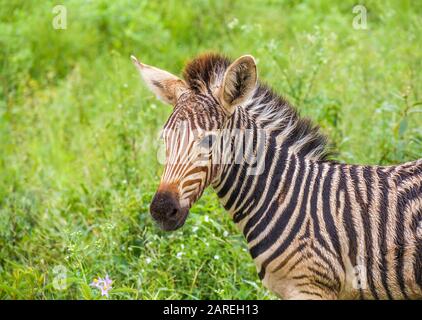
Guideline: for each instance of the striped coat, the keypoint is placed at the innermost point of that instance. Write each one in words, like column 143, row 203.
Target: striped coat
column 316, row 229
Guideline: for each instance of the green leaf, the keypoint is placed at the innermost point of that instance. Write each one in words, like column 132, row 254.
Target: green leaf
column 86, row 291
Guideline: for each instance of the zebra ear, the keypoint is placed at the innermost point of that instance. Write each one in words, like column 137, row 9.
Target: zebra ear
column 166, row 86
column 239, row 83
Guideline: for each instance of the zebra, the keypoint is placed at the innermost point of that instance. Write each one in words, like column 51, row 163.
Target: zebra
column 315, row 228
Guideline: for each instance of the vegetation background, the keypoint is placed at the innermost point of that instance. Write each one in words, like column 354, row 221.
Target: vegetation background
column 78, row 162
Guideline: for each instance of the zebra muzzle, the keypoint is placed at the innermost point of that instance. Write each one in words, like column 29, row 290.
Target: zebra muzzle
column 166, row 210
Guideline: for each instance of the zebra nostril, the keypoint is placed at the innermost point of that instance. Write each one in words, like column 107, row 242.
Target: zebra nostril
column 173, row 212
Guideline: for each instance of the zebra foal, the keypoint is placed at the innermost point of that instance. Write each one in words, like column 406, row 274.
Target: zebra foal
column 316, row 229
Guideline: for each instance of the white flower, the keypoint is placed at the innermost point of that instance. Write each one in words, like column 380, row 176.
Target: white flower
column 233, row 23
column 216, row 257
column 311, row 38
column 206, row 218
column 225, row 233
column 148, row 260
column 179, row 255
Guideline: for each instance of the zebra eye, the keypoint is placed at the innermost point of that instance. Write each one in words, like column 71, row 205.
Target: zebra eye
column 207, row 141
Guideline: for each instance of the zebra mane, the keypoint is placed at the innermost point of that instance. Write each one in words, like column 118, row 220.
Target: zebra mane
column 266, row 108
column 206, row 71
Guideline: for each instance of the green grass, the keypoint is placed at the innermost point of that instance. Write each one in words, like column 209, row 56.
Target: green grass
column 78, row 164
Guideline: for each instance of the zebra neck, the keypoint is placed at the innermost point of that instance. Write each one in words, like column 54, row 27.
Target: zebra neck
column 280, row 140
column 246, row 190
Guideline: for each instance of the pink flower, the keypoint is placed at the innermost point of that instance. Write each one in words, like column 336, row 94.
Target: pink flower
column 103, row 284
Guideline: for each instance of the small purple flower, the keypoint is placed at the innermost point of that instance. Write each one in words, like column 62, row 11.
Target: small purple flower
column 103, row 284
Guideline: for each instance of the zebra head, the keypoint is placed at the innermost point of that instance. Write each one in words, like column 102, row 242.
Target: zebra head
column 202, row 103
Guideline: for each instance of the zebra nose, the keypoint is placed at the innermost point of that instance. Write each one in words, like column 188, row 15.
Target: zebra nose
column 164, row 206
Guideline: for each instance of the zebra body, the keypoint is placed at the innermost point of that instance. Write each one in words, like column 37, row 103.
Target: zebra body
column 316, row 229
column 332, row 230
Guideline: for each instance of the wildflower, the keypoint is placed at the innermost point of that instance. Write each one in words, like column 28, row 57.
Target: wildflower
column 148, row 260
column 233, row 23
column 216, row 257
column 103, row 284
